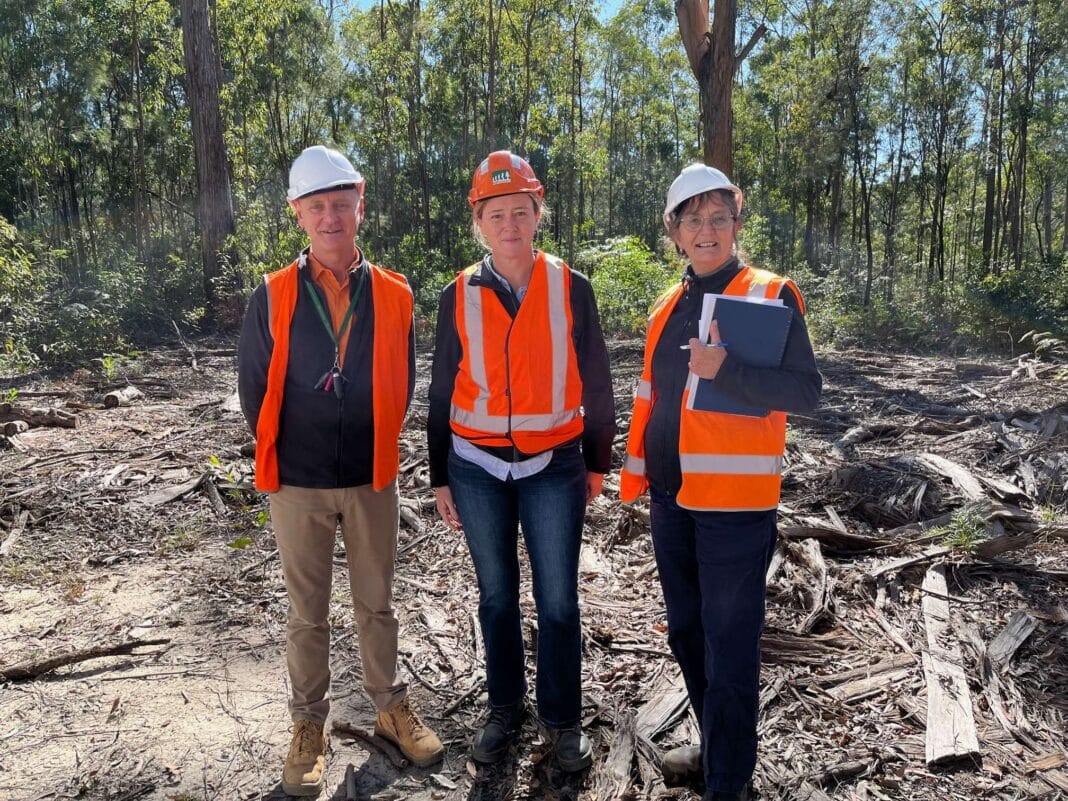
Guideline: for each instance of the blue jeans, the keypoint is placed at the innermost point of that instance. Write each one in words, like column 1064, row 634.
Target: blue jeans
column 550, row 506
column 712, row 567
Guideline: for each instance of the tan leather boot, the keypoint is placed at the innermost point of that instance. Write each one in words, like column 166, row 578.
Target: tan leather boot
column 402, row 727
column 306, row 762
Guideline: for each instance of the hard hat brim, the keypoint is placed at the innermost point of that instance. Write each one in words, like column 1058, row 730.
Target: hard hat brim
column 334, row 186
column 539, row 193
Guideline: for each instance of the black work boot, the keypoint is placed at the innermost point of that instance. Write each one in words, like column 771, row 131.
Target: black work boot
column 497, row 733
column 572, row 747
column 682, row 765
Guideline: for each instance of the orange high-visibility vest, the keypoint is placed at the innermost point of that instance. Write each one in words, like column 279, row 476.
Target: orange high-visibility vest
column 730, row 463
column 393, row 304
column 518, row 382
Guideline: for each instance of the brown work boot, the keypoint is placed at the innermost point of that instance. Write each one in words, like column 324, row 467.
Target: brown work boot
column 303, row 773
column 402, row 727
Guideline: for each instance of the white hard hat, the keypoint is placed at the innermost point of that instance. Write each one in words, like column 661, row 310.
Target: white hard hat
column 695, row 180
column 319, row 168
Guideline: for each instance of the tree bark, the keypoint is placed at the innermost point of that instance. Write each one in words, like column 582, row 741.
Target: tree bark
column 714, row 63
column 718, row 86
column 215, row 211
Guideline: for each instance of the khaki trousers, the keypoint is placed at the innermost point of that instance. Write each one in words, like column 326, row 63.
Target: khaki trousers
column 305, row 525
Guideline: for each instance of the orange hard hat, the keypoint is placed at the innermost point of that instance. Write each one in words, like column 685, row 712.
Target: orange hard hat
column 503, row 173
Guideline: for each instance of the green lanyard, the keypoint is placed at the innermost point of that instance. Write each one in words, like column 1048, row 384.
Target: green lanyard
column 332, row 379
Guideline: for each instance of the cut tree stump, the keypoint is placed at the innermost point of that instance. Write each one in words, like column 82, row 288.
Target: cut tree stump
column 122, row 397
column 950, row 723
column 13, row 427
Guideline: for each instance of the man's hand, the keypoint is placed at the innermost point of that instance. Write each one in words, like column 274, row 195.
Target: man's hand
column 705, row 360
column 593, row 485
column 446, row 508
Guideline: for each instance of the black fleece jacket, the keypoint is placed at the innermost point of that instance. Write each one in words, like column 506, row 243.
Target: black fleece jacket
column 793, row 386
column 323, row 442
column 598, row 402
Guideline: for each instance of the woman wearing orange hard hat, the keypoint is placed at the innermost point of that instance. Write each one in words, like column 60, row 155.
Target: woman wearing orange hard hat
column 713, row 475
column 520, row 432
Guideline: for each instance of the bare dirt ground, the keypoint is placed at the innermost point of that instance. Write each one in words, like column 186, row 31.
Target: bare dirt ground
column 918, row 608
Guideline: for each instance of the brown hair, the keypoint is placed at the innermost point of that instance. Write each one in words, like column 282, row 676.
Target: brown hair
column 728, row 199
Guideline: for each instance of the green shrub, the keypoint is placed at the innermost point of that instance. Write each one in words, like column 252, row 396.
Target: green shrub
column 627, row 277
column 1016, row 301
column 19, row 285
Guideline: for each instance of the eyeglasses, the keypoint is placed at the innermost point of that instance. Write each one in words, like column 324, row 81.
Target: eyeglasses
column 695, row 222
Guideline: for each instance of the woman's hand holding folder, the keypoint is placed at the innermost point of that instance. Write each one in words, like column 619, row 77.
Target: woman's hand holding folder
column 705, row 360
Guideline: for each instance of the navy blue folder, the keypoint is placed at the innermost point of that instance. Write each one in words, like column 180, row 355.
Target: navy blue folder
column 755, row 333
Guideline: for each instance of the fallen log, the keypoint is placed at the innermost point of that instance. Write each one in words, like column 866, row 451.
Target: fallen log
column 173, row 492
column 951, row 731
column 33, row 668
column 810, row 555
column 908, row 561
column 667, row 704
column 36, row 416
column 614, row 780
column 833, row 538
column 1009, row 639
column 13, row 427
column 122, row 397
column 16, row 531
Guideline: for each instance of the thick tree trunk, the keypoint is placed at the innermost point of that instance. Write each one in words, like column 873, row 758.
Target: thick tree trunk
column 714, row 62
column 215, row 211
column 718, row 87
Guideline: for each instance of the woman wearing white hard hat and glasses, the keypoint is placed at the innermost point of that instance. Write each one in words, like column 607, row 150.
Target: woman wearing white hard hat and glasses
column 713, row 478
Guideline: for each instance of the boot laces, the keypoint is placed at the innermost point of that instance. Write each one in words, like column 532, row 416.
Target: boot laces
column 414, row 723
column 307, row 741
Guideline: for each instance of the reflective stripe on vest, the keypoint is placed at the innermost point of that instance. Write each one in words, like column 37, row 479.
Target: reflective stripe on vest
column 729, row 462
column 489, row 404
column 739, row 465
column 393, row 305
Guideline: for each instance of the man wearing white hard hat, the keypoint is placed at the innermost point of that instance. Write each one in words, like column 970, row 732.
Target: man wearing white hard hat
column 325, row 375
column 714, row 477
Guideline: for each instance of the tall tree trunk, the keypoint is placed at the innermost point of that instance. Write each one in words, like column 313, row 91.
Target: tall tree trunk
column 215, row 211
column 718, row 86
column 1045, row 230
column 491, row 82
column 890, row 248
column 1064, row 225
column 714, row 63
column 139, row 154
column 809, row 244
column 990, row 157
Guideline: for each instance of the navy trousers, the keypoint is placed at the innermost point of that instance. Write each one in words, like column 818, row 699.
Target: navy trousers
column 712, row 567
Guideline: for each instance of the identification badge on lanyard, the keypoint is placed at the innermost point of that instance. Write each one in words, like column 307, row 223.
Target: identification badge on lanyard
column 333, row 380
